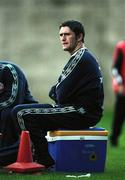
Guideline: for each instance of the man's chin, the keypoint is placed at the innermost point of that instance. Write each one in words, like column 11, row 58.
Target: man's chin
column 65, row 49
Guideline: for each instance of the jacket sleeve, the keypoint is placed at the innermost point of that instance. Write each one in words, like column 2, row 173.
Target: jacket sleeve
column 116, row 68
column 52, row 93
column 28, row 99
column 10, row 81
column 77, row 82
column 67, row 88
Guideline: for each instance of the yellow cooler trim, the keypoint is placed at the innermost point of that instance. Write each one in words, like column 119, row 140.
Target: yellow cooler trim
column 77, row 133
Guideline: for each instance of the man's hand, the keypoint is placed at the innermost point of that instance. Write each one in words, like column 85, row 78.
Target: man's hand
column 121, row 89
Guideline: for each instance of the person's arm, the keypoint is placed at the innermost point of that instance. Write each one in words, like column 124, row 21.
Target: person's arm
column 116, row 73
column 116, row 69
column 66, row 88
column 69, row 82
column 52, row 93
column 28, row 99
column 80, row 81
column 10, row 81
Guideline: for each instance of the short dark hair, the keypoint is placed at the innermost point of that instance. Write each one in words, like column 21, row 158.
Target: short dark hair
column 75, row 26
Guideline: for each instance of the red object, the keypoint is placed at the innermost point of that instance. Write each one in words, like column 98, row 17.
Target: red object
column 24, row 161
column 120, row 46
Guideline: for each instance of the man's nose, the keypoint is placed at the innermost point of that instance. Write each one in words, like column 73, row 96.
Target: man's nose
column 63, row 37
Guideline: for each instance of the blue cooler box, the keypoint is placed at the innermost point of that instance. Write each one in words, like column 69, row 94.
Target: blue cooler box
column 78, row 151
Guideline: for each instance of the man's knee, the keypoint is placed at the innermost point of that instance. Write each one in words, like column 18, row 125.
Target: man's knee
column 15, row 110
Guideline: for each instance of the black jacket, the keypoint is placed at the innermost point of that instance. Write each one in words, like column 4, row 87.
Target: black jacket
column 16, row 90
column 80, row 84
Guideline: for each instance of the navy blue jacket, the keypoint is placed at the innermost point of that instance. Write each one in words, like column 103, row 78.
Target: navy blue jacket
column 16, row 89
column 80, row 84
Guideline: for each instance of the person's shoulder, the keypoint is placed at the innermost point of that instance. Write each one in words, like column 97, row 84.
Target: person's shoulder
column 7, row 66
column 121, row 44
column 88, row 55
column 6, row 63
column 11, row 65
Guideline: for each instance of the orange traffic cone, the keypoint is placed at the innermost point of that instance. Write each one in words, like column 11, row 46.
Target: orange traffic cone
column 24, row 161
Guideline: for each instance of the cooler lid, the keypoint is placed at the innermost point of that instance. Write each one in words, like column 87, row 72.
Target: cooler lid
column 60, row 138
column 88, row 132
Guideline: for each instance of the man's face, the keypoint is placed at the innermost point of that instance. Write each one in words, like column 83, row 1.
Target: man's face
column 68, row 39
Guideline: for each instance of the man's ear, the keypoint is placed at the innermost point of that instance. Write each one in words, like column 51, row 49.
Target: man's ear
column 80, row 37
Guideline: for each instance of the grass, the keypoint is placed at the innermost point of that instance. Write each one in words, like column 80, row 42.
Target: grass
column 114, row 168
